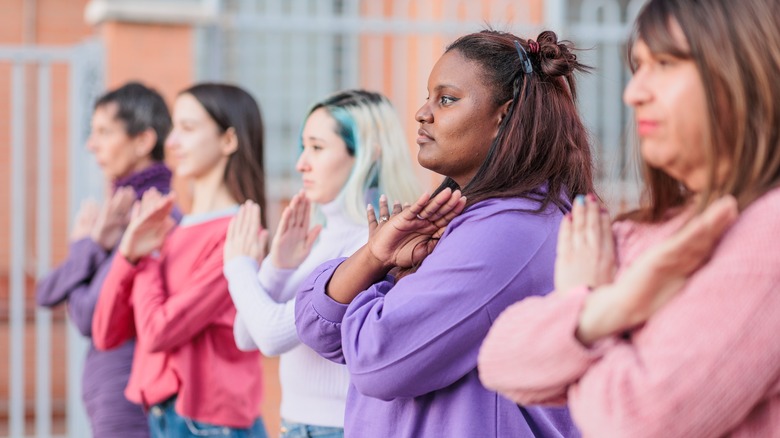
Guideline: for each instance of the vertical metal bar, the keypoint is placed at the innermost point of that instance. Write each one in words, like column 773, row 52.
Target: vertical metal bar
column 77, row 176
column 374, row 79
column 555, row 15
column 325, row 43
column 398, row 55
column 43, row 241
column 351, row 55
column 17, row 237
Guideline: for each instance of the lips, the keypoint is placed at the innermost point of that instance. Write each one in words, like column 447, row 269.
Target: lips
column 646, row 127
column 423, row 137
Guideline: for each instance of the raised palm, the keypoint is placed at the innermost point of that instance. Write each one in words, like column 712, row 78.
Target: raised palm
column 113, row 218
column 293, row 240
column 150, row 222
column 245, row 236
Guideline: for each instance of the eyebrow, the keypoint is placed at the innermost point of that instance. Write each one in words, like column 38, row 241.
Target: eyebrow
column 443, row 86
column 319, row 139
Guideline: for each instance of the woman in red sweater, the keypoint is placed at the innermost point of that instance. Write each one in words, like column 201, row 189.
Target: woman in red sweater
column 167, row 289
column 675, row 333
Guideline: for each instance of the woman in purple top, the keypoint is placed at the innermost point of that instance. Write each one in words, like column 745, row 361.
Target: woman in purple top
column 129, row 127
column 500, row 122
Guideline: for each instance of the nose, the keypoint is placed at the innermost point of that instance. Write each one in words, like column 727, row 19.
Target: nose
column 172, row 140
column 637, row 91
column 92, row 145
column 303, row 162
column 424, row 115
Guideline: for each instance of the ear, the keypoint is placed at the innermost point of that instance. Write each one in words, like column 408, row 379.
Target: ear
column 144, row 143
column 503, row 111
column 229, row 142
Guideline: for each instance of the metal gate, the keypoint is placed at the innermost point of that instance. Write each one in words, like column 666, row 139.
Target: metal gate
column 291, row 52
column 47, row 87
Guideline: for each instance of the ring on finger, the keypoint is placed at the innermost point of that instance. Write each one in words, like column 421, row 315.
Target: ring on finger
column 383, row 219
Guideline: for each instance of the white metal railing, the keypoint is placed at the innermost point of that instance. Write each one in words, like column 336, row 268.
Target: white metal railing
column 84, row 180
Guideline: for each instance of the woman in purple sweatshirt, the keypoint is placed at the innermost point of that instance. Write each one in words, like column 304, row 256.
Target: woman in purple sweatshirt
column 129, row 127
column 500, row 122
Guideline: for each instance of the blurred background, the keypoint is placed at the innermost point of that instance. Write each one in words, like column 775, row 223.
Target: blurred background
column 57, row 56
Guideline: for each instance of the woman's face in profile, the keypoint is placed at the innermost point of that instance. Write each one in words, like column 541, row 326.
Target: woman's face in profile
column 195, row 142
column 670, row 110
column 325, row 163
column 458, row 120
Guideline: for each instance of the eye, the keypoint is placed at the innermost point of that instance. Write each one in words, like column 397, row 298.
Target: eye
column 447, row 100
column 316, row 147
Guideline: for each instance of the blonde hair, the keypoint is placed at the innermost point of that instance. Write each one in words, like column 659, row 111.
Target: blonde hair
column 372, row 132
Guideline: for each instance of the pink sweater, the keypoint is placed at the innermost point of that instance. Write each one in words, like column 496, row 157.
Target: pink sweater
column 180, row 308
column 705, row 365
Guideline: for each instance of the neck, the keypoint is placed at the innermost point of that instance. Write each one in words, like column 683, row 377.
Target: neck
column 210, row 192
column 142, row 164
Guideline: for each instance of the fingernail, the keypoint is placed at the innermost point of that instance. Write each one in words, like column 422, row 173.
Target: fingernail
column 591, row 197
column 579, row 199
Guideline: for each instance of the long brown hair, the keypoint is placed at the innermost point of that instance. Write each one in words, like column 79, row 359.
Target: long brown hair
column 232, row 107
column 542, row 140
column 736, row 48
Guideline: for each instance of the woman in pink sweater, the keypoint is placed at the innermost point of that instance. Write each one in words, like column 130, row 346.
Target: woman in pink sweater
column 166, row 285
column 665, row 324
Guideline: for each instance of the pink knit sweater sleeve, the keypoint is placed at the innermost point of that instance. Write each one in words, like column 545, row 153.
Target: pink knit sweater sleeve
column 698, row 367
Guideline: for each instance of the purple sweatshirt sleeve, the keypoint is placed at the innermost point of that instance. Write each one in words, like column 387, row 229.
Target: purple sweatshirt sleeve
column 317, row 316
column 424, row 333
column 78, row 280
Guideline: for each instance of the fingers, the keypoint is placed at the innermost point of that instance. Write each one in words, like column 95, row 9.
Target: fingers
column 384, row 211
column 434, row 204
column 230, row 235
column 687, row 249
column 721, row 214
column 397, row 207
column 607, row 241
column 311, row 237
column 416, row 209
column 371, row 218
column 285, row 223
column 306, row 212
column 262, row 240
column 592, row 221
column 578, row 221
column 299, row 208
column 454, row 207
column 253, row 219
column 565, row 236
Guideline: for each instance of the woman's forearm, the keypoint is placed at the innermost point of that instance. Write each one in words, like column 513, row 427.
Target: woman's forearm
column 355, row 275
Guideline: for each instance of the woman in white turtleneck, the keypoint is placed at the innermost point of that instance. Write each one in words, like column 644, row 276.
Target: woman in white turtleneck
column 352, row 151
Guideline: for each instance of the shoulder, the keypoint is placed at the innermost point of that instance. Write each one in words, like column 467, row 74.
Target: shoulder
column 755, row 236
column 508, row 213
column 503, row 228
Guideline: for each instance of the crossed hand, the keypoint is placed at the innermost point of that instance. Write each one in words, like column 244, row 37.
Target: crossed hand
column 586, row 257
column 404, row 237
column 150, row 222
column 104, row 224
